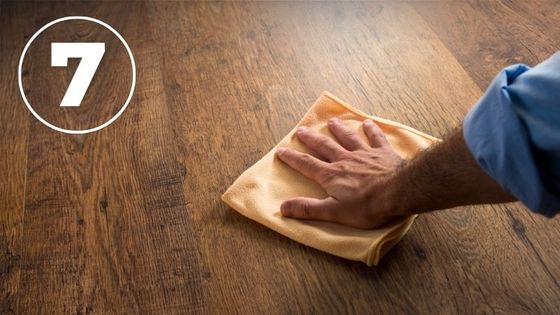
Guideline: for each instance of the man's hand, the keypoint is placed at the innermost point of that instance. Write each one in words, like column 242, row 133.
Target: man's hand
column 352, row 172
column 367, row 185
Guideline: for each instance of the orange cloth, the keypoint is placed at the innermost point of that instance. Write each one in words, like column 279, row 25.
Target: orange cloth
column 260, row 190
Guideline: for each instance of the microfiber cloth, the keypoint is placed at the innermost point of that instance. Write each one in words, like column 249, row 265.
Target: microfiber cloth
column 261, row 189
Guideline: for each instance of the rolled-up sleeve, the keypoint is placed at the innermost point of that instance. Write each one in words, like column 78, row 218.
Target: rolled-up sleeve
column 513, row 133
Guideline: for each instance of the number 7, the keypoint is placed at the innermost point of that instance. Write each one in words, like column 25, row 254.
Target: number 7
column 91, row 54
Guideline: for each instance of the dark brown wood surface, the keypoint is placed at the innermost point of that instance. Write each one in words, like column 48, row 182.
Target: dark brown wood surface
column 129, row 220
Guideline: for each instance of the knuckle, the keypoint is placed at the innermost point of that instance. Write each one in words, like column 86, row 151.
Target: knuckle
column 347, row 133
column 322, row 141
column 375, row 132
column 328, row 173
column 343, row 155
column 308, row 161
column 304, row 159
column 342, row 169
column 304, row 209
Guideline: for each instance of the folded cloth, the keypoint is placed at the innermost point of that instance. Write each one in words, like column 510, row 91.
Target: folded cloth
column 260, row 190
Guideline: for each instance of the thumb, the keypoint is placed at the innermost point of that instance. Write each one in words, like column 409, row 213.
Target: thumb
column 311, row 209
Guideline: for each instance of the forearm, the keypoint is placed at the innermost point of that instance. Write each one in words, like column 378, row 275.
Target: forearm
column 444, row 176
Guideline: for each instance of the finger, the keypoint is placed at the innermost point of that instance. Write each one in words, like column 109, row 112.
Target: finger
column 311, row 209
column 345, row 135
column 320, row 144
column 304, row 163
column 374, row 134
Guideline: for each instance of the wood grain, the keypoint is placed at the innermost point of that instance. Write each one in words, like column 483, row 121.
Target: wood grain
column 14, row 132
column 128, row 219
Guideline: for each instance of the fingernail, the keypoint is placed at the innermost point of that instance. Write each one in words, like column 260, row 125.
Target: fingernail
column 281, row 151
column 301, row 129
column 333, row 120
column 368, row 122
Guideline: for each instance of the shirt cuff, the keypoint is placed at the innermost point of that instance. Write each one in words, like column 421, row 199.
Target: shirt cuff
column 499, row 142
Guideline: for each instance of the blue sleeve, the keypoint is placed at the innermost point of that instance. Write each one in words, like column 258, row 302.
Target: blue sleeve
column 513, row 133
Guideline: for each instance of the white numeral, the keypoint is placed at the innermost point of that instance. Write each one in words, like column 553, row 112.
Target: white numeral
column 91, row 54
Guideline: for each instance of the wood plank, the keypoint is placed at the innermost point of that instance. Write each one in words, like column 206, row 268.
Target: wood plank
column 13, row 156
column 487, row 36
column 539, row 16
column 105, row 216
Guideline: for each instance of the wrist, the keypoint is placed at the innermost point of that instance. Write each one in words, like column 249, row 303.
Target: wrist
column 407, row 192
column 391, row 197
column 396, row 198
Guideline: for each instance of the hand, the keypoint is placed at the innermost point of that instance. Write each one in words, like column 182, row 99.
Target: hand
column 353, row 173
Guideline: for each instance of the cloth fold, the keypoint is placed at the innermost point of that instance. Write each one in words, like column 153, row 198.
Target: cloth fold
column 261, row 189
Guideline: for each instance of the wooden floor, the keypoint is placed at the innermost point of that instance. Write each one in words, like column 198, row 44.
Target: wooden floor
column 129, row 219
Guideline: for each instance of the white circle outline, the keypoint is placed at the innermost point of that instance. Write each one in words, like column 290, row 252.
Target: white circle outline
column 132, row 86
